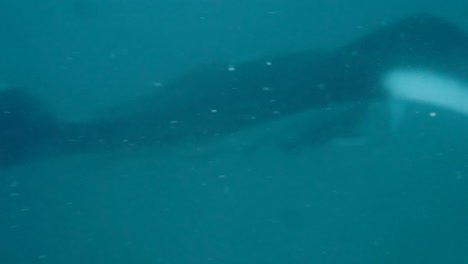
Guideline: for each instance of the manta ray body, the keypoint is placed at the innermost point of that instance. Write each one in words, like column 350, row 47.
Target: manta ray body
column 421, row 58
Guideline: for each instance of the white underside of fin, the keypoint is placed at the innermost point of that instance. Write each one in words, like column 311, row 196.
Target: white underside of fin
column 426, row 87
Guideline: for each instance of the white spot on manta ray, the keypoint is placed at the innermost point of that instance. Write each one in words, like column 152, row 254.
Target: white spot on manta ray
column 428, row 87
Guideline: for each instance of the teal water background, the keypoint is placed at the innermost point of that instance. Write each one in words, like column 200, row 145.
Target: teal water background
column 402, row 199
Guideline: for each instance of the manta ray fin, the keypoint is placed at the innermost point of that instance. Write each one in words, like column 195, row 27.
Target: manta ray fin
column 427, row 87
column 396, row 111
column 336, row 125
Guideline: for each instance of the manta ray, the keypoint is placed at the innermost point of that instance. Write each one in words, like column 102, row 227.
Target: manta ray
column 421, row 58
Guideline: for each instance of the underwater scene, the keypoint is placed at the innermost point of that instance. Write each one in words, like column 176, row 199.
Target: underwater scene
column 201, row 131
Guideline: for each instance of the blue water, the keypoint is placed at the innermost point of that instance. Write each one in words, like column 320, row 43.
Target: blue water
column 399, row 199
